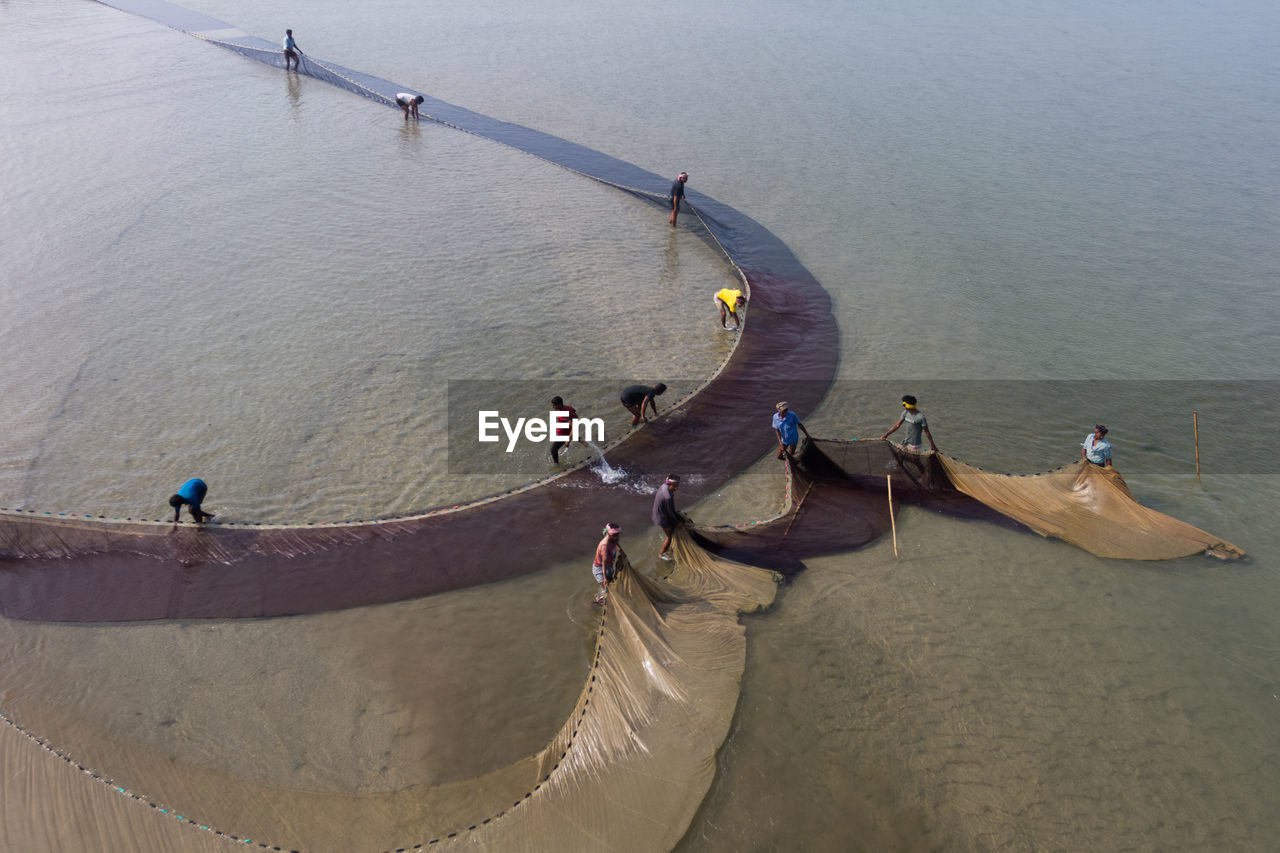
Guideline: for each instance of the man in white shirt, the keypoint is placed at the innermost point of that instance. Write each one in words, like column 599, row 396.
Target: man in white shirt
column 409, row 103
column 1096, row 448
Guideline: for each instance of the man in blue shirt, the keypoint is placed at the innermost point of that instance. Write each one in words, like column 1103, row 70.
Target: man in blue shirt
column 788, row 428
column 292, row 62
column 192, row 495
column 1096, row 448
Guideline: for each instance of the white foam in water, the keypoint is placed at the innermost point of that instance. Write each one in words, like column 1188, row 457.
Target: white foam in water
column 607, row 473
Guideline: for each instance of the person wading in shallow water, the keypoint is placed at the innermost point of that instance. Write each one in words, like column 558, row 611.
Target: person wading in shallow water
column 605, row 566
column 191, row 495
column 728, row 300
column 291, row 52
column 664, row 513
column 916, row 423
column 409, row 103
column 677, row 194
column 1096, row 448
column 563, row 426
column 636, row 398
column 788, row 429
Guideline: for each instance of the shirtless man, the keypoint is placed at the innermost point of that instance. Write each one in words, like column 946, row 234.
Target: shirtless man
column 605, row 566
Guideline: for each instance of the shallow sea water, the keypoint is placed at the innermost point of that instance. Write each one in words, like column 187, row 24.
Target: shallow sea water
column 214, row 270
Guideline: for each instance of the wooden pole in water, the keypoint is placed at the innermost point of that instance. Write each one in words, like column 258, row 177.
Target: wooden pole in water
column 796, row 514
column 888, row 479
column 1195, row 423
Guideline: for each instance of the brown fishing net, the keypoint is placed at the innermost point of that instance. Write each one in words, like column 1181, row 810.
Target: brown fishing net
column 1088, row 506
column 626, row 771
column 1083, row 504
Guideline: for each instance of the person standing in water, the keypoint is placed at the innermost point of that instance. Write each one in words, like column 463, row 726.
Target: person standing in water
column 605, row 566
column 409, row 103
column 916, row 423
column 291, row 52
column 677, row 194
column 788, row 428
column 636, row 398
column 191, row 494
column 561, row 425
column 664, row 513
column 728, row 301
column 1096, row 448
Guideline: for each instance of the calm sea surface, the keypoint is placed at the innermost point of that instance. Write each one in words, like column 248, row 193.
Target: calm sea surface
column 1033, row 215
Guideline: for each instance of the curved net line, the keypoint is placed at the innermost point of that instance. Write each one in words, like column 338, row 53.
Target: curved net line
column 266, row 53
column 584, row 464
column 787, row 348
column 655, row 704
column 1084, row 504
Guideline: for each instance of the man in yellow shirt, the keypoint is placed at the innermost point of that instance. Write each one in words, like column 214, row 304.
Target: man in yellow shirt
column 728, row 300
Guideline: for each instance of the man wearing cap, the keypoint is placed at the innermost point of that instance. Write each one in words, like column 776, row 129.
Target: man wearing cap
column 788, row 428
column 1096, row 448
column 605, row 567
column 729, row 300
column 191, row 494
column 916, row 423
column 677, row 193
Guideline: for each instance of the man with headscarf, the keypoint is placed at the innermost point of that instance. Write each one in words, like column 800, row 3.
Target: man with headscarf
column 605, row 567
column 916, row 423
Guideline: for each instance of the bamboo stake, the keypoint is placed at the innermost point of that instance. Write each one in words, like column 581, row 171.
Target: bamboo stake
column 1195, row 423
column 888, row 479
column 796, row 514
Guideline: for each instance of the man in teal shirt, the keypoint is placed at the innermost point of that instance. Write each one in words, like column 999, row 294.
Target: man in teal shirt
column 192, row 495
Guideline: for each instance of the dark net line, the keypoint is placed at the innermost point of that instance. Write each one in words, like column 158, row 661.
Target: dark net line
column 90, row 569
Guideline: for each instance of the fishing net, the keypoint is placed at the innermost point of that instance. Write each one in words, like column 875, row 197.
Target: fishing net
column 64, row 566
column 820, row 516
column 625, row 772
column 1084, row 504
column 1088, row 506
